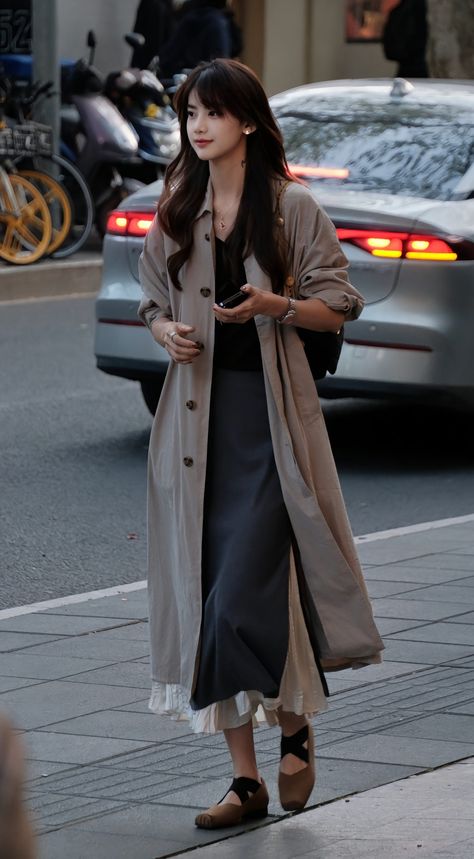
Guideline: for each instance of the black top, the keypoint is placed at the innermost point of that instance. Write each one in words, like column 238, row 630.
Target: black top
column 236, row 345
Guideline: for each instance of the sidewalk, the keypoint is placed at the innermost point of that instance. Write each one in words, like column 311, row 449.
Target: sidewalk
column 51, row 278
column 110, row 779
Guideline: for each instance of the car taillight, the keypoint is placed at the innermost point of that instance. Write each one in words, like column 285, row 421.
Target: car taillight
column 314, row 172
column 134, row 224
column 385, row 243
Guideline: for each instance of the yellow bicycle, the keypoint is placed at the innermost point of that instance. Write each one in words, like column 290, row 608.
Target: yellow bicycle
column 25, row 220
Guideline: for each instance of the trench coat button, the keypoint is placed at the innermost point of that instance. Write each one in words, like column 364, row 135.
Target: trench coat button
column 290, row 281
column 188, row 461
column 205, row 292
column 190, row 404
column 207, row 237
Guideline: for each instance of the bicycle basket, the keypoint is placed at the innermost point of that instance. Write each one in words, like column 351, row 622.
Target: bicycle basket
column 30, row 138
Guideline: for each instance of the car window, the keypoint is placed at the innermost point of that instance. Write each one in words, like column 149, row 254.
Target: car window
column 399, row 149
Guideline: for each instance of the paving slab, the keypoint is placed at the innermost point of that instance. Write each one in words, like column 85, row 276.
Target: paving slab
column 450, row 593
column 445, row 561
column 80, row 749
column 440, row 633
column 442, row 726
column 466, row 709
column 28, row 665
column 467, row 617
column 119, row 724
column 412, row 572
column 427, row 653
column 80, row 843
column 94, row 646
column 53, row 702
column 10, row 641
column 133, row 606
column 7, row 684
column 378, row 588
column 125, row 674
column 52, row 811
column 57, row 624
column 412, row 609
column 383, row 748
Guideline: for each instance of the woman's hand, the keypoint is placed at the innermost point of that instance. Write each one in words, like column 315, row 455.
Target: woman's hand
column 174, row 337
column 260, row 301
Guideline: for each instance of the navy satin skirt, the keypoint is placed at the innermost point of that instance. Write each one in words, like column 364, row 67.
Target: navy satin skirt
column 246, row 548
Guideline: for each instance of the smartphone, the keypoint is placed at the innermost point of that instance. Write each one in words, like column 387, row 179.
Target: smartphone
column 233, row 300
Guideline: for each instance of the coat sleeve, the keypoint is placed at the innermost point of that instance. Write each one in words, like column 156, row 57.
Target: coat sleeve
column 319, row 265
column 155, row 303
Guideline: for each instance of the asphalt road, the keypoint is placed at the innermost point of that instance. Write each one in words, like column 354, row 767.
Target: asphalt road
column 74, row 447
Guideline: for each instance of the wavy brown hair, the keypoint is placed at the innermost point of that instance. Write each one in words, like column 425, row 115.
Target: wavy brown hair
column 228, row 86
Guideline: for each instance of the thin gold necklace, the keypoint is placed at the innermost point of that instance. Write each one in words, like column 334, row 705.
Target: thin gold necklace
column 221, row 216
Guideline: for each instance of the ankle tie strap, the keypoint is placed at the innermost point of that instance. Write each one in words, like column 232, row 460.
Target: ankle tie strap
column 243, row 786
column 294, row 745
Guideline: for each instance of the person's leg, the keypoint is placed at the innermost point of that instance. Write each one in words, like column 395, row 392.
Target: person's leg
column 248, row 795
column 242, row 751
column 290, row 724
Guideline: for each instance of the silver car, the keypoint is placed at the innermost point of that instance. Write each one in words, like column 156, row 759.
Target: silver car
column 392, row 162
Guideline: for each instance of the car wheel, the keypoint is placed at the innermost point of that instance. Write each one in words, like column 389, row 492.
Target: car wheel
column 151, row 390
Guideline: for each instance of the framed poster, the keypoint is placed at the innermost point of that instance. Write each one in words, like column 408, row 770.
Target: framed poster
column 365, row 19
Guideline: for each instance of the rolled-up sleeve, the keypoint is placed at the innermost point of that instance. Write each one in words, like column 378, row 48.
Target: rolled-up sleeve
column 155, row 303
column 319, row 264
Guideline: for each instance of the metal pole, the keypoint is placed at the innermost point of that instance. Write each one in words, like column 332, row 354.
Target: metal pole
column 46, row 62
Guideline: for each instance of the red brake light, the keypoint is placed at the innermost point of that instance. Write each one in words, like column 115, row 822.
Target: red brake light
column 134, row 224
column 318, row 172
column 384, row 243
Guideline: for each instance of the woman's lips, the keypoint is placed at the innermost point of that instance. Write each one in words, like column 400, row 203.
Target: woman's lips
column 202, row 142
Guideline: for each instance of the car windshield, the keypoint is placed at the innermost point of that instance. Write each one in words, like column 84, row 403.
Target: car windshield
column 412, row 149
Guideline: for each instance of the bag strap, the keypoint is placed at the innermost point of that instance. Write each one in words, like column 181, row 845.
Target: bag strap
column 289, row 281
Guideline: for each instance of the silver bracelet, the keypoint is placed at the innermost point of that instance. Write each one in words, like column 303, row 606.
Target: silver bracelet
column 290, row 313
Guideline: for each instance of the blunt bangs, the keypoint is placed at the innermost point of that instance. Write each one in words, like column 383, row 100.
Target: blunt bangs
column 216, row 90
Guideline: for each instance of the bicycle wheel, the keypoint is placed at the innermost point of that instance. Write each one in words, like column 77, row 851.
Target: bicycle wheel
column 58, row 202
column 83, row 210
column 77, row 189
column 26, row 231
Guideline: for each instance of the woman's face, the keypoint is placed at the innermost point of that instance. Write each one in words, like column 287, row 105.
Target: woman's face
column 213, row 135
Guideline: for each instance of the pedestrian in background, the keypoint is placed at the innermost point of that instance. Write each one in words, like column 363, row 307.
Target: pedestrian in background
column 405, row 38
column 16, row 835
column 206, row 29
column 155, row 20
column 254, row 581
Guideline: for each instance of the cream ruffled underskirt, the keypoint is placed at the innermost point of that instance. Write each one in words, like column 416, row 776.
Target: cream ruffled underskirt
column 300, row 692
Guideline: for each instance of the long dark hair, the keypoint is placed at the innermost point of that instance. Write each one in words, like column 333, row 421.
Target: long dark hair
column 228, row 86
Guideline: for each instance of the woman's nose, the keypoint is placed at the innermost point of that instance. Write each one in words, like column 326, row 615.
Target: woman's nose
column 201, row 124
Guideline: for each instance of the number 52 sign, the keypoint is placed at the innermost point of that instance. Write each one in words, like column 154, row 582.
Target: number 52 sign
column 15, row 27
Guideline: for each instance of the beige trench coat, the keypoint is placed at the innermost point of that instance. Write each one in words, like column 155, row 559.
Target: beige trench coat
column 343, row 620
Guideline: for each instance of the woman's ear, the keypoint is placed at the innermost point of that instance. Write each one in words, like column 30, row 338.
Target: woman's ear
column 249, row 128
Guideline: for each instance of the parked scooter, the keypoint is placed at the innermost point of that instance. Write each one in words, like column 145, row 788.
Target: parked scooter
column 96, row 136
column 142, row 100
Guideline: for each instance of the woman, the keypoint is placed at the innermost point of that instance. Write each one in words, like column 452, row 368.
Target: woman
column 254, row 581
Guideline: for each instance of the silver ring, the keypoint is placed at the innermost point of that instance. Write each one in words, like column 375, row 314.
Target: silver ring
column 173, row 334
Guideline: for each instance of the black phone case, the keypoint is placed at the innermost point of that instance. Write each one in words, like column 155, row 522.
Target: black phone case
column 233, row 300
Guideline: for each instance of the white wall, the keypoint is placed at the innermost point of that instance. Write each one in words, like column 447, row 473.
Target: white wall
column 110, row 19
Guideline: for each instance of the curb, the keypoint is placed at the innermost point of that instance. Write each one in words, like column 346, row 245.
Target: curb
column 51, row 279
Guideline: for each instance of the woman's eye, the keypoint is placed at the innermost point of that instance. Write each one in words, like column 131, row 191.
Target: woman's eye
column 190, row 113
